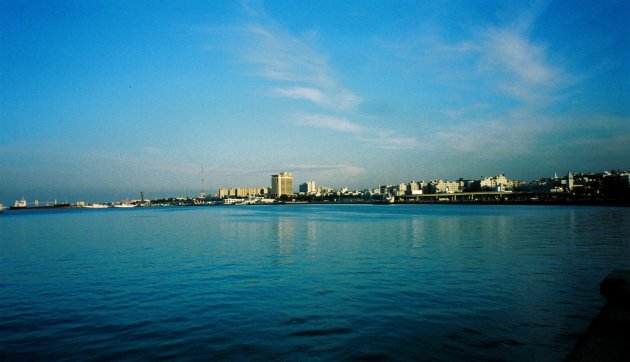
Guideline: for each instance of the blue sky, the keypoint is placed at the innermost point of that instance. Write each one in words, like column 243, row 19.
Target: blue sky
column 103, row 99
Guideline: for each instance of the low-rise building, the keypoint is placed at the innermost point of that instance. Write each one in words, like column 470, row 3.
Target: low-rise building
column 241, row 192
column 498, row 183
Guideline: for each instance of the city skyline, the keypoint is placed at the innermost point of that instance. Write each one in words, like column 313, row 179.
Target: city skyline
column 281, row 186
column 486, row 182
column 107, row 99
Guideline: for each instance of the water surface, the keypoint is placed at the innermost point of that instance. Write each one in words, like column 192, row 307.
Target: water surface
column 305, row 282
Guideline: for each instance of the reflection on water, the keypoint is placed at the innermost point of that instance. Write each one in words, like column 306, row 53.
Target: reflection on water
column 332, row 282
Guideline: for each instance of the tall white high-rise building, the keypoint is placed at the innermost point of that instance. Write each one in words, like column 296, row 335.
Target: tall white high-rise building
column 281, row 184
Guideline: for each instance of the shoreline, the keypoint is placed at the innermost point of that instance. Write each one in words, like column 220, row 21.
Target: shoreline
column 604, row 203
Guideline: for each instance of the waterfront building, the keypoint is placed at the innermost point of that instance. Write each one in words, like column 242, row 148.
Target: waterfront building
column 403, row 188
column 498, row 183
column 414, row 188
column 308, row 187
column 441, row 187
column 447, row 187
column 469, row 185
column 411, row 188
column 281, row 184
column 241, row 192
column 429, row 187
column 247, row 191
column 324, row 191
column 386, row 189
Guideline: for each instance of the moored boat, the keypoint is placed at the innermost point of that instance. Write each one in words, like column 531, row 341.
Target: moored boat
column 124, row 205
column 233, row 201
column 386, row 199
column 96, row 206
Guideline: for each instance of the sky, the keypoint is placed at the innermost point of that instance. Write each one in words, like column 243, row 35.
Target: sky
column 100, row 100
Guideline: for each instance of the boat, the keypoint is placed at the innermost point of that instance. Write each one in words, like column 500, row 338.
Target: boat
column 124, row 205
column 233, row 201
column 96, row 206
column 385, row 199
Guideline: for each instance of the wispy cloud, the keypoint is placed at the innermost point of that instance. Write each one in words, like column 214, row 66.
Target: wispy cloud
column 294, row 63
column 375, row 137
column 312, row 94
column 510, row 50
column 300, row 71
column 458, row 113
column 517, row 77
column 346, row 169
column 509, row 61
column 329, row 122
column 336, row 99
column 505, row 57
column 281, row 56
column 388, row 139
column 488, row 139
column 522, row 65
column 297, row 69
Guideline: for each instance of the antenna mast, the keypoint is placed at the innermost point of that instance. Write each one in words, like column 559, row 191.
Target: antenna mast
column 203, row 185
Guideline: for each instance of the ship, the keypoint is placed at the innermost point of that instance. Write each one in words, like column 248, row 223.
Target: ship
column 19, row 204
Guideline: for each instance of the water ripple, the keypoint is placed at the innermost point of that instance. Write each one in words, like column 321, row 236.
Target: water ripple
column 321, row 282
column 320, row 332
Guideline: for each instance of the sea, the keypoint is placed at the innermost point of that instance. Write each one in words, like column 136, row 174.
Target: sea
column 305, row 282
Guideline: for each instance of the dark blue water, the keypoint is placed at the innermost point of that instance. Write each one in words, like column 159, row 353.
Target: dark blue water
column 305, row 282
